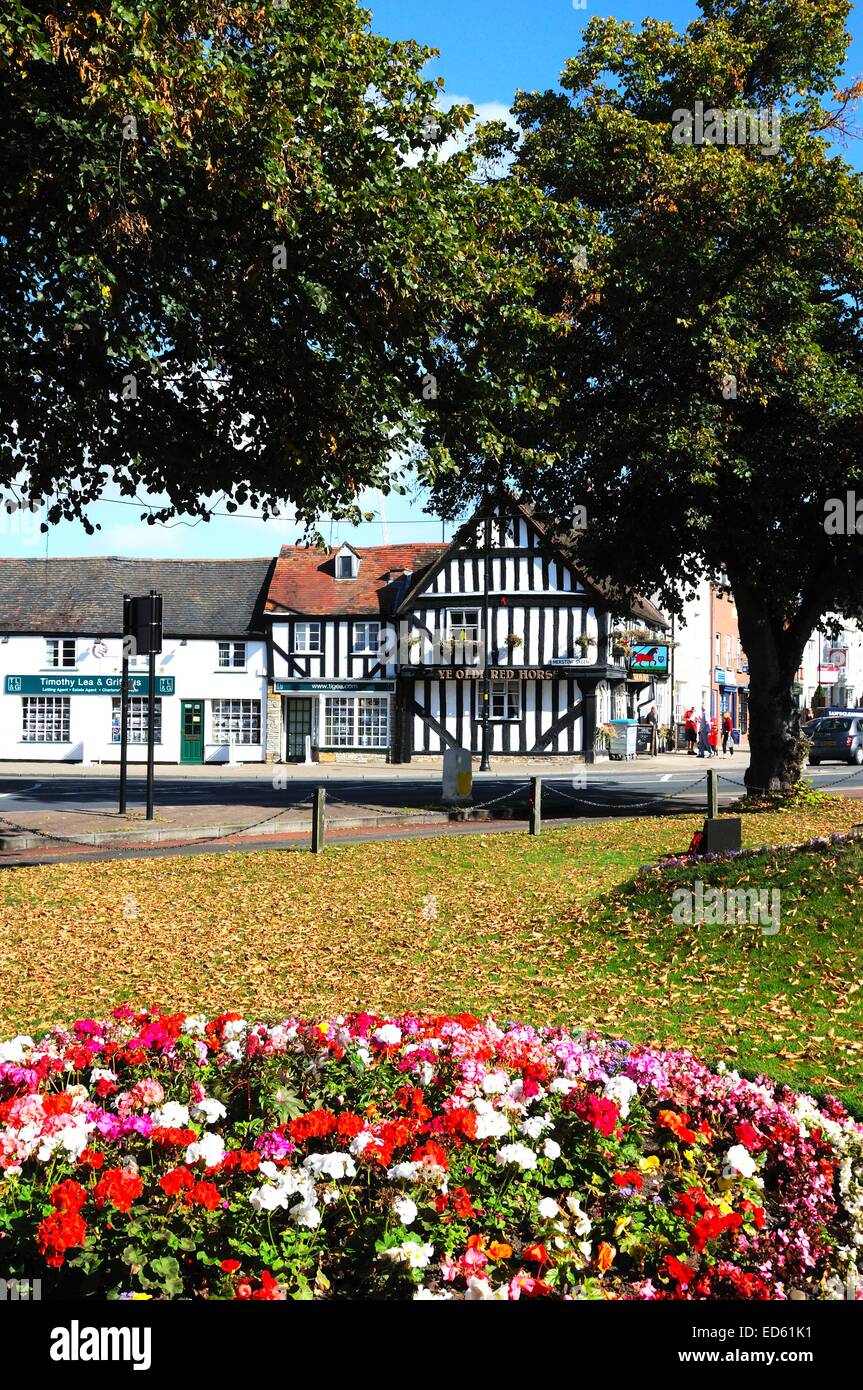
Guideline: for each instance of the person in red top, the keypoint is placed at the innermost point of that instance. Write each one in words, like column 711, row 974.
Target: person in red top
column 713, row 736
column 727, row 731
column 690, row 727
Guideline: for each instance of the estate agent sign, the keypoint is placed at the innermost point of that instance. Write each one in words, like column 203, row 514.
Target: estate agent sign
column 85, row 685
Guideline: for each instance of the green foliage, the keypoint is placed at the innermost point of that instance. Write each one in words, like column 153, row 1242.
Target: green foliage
column 227, row 249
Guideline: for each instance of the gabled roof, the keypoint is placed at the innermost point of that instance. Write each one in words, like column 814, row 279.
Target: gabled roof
column 69, row 597
column 304, row 580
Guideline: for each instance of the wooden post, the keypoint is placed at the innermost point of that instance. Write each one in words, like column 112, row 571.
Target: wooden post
column 319, row 798
column 535, row 804
column 712, row 796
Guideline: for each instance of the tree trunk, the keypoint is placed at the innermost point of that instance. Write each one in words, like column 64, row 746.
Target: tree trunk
column 774, row 652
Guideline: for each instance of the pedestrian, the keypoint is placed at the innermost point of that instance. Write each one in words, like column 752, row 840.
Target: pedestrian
column 727, row 734
column 704, row 735
column 691, row 730
column 653, row 723
column 713, row 737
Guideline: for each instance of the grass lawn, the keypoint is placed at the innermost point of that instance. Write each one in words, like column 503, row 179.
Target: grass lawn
column 547, row 929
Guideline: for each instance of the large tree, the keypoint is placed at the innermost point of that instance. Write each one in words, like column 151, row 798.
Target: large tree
column 685, row 357
column 226, row 246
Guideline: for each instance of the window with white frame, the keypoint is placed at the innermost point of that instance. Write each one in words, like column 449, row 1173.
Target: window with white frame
column 236, row 721
column 463, row 634
column 138, row 708
column 307, row 637
column 60, row 651
column 45, row 719
column 367, row 638
column 356, row 722
column 232, row 656
column 505, row 700
column 347, row 565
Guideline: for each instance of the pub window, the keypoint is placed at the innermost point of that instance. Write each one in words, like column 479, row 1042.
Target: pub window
column 137, row 719
column 232, row 655
column 60, row 651
column 45, row 719
column 307, row 637
column 505, row 700
column 236, row 721
column 367, row 637
column 463, row 634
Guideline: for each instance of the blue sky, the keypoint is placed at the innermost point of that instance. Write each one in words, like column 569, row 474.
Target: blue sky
column 488, row 49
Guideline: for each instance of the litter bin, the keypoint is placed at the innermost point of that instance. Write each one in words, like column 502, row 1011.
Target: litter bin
column 624, row 739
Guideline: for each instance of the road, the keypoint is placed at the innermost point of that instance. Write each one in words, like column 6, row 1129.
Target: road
column 595, row 791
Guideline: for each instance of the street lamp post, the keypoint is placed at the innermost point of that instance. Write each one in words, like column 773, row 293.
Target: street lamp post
column 485, row 765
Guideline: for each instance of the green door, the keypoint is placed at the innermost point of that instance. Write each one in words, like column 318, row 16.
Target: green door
column 192, row 731
column 299, row 728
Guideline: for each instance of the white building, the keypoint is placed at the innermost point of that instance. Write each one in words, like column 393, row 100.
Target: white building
column 61, row 650
column 834, row 664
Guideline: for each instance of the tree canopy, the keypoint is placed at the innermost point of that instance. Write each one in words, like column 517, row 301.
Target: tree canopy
column 686, row 360
column 226, row 250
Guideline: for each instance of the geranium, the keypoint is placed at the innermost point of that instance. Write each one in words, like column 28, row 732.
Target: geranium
column 119, row 1187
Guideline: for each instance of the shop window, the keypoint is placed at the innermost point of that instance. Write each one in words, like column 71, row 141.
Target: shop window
column 60, row 651
column 138, row 710
column 361, row 722
column 236, row 721
column 462, row 637
column 45, row 719
column 232, row 656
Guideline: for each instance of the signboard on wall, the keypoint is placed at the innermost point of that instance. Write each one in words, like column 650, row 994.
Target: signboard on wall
column 650, row 657
column 85, row 685
column 334, row 687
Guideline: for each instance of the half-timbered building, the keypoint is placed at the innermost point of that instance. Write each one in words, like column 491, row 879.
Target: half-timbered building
column 384, row 652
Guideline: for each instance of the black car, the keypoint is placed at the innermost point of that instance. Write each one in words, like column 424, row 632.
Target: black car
column 837, row 739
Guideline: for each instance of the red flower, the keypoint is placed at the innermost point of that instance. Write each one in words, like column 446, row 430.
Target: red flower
column 175, row 1180
column 349, row 1125
column 59, row 1233
column 92, row 1159
column 598, row 1111
column 118, row 1187
column 631, row 1178
column 204, row 1194
column 68, row 1195
column 684, row 1274
column 535, row 1254
column 748, row 1137
column 314, row 1125
column 461, row 1121
column 57, row 1104
column 230, row 1266
column 461, row 1203
column 678, row 1124
column 757, row 1213
column 169, row 1137
column 712, row 1225
column 269, row 1289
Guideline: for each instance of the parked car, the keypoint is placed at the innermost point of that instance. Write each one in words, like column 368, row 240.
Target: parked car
column 809, row 726
column 837, row 740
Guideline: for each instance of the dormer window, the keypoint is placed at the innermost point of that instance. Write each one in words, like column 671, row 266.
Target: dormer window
column 347, row 564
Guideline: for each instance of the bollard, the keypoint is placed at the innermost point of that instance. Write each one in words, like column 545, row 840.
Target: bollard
column 319, row 798
column 535, row 806
column 712, row 796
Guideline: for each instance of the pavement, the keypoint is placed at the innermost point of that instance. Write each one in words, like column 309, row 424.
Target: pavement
column 58, row 811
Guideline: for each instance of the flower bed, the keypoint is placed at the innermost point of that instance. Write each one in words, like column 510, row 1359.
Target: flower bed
column 157, row 1155
column 813, row 846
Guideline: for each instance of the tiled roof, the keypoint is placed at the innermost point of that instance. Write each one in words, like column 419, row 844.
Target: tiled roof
column 201, row 598
column 304, row 580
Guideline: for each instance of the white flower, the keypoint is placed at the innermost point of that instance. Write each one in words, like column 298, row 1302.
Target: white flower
column 333, row 1165
column 405, row 1210
column 268, row 1198
column 388, row 1035
column 548, row 1209
column 306, row 1214
column 490, row 1123
column 16, row 1049
column 194, row 1023
column 622, row 1091
column 171, row 1115
column 551, row 1148
column 412, row 1253
column 739, row 1160
column 209, row 1110
column 518, row 1154
column 404, row 1172
column 562, row 1085
column 480, row 1289
column 210, row 1148
column 234, row 1050
column 582, row 1224
column 235, row 1028
column 535, row 1126
column 494, row 1082
column 424, row 1295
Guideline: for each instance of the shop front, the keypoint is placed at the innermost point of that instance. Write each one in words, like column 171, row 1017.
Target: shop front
column 335, row 720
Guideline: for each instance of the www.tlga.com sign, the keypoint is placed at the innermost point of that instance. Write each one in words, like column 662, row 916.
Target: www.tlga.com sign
column 85, row 685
